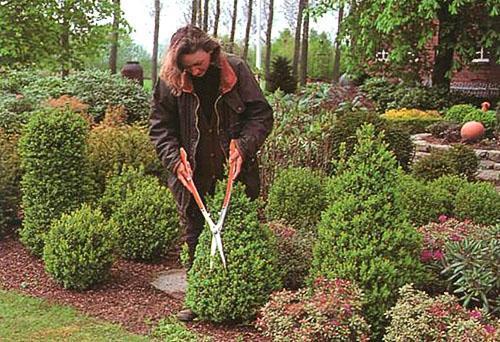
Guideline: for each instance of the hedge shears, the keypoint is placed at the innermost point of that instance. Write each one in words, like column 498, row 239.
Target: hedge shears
column 216, row 229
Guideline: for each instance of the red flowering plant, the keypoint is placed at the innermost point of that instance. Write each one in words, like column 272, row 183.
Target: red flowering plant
column 419, row 317
column 329, row 311
column 437, row 234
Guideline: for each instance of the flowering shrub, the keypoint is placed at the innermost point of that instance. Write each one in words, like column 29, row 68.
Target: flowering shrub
column 463, row 257
column 418, row 317
column 436, row 235
column 294, row 254
column 404, row 113
column 331, row 311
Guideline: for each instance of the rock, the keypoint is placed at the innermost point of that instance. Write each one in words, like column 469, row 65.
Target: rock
column 173, row 282
column 488, row 175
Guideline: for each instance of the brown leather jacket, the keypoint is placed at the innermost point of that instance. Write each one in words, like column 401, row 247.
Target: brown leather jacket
column 242, row 113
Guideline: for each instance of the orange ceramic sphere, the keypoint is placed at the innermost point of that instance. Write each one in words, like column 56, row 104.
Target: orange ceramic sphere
column 472, row 130
column 485, row 106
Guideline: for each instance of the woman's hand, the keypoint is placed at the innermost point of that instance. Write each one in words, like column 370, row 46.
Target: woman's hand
column 184, row 173
column 235, row 158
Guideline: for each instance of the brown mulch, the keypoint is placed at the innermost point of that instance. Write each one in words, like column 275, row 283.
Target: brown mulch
column 127, row 298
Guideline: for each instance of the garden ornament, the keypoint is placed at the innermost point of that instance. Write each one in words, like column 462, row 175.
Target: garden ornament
column 214, row 228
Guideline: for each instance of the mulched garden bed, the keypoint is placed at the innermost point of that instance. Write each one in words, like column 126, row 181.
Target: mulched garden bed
column 127, row 298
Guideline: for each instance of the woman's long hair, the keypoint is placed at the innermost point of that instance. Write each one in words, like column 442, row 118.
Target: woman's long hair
column 186, row 40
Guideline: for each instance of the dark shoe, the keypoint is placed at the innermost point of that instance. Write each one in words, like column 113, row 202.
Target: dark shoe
column 186, row 315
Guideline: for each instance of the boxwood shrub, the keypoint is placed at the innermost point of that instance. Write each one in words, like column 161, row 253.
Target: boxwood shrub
column 56, row 178
column 422, row 202
column 297, row 198
column 80, row 248
column 10, row 176
column 364, row 235
column 147, row 219
column 294, row 254
column 451, row 184
column 237, row 293
column 479, row 202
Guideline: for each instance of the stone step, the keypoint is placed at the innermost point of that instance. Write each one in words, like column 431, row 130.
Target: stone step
column 173, row 282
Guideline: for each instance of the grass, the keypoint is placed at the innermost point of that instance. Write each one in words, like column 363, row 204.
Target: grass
column 24, row 318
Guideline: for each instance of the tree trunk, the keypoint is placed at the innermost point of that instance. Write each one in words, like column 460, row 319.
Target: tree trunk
column 65, row 49
column 447, row 39
column 267, row 58
column 217, row 16
column 247, row 31
column 194, row 11
column 113, row 54
column 233, row 26
column 154, row 61
column 200, row 15
column 205, row 15
column 296, row 48
column 304, row 48
column 336, row 61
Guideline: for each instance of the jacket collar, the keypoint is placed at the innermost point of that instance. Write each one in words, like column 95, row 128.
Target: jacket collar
column 228, row 77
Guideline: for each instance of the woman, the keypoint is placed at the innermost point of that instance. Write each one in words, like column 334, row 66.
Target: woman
column 204, row 101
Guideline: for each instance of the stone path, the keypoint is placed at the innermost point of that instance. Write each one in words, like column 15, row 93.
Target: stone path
column 173, row 282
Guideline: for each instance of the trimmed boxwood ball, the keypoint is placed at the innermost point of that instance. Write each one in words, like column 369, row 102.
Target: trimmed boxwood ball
column 364, row 235
column 147, row 219
column 478, row 202
column 56, row 176
column 297, row 198
column 80, row 248
column 451, row 185
column 422, row 202
column 235, row 294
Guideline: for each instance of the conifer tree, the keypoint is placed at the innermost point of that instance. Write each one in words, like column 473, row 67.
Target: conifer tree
column 282, row 76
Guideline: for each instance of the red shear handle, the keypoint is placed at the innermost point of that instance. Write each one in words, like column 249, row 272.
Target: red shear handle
column 191, row 186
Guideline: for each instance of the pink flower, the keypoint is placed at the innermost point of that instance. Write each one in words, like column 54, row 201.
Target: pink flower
column 426, row 255
column 475, row 314
column 438, row 254
column 455, row 237
column 442, row 218
column 489, row 329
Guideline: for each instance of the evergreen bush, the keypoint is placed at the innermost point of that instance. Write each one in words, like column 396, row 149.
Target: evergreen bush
column 418, row 317
column 294, row 254
column 237, row 293
column 110, row 148
column 297, row 198
column 422, row 203
column 281, row 76
column 80, row 248
column 466, row 112
column 147, row 219
column 171, row 330
column 128, row 178
column 364, row 234
column 451, row 184
column 479, row 202
column 56, row 178
column 330, row 311
column 10, row 175
column 344, row 131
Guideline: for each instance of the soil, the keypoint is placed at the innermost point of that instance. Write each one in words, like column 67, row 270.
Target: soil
column 127, row 298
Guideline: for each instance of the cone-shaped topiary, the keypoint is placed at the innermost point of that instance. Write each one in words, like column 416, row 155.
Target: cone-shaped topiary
column 364, row 234
column 80, row 248
column 147, row 220
column 56, row 178
column 281, row 76
column 235, row 294
column 296, row 197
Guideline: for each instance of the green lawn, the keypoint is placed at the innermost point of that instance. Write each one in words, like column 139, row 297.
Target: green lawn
column 24, row 318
